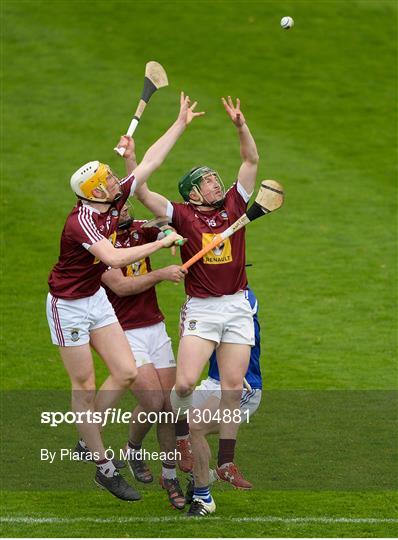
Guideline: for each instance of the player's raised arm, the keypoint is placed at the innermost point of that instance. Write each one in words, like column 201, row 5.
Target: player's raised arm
column 118, row 258
column 157, row 153
column 127, row 285
column 155, row 202
column 248, row 150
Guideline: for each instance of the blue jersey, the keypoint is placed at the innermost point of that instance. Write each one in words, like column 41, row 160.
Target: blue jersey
column 253, row 375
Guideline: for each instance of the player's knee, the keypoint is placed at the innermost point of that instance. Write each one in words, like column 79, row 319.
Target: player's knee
column 231, row 383
column 180, row 403
column 126, row 376
column 84, row 383
column 231, row 394
column 154, row 401
column 184, row 388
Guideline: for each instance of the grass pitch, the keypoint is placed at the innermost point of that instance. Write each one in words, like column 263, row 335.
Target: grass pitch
column 321, row 101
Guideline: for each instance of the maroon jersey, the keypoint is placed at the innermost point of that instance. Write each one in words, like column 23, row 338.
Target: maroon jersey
column 222, row 270
column 136, row 310
column 77, row 273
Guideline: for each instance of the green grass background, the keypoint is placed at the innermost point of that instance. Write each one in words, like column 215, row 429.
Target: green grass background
column 321, row 101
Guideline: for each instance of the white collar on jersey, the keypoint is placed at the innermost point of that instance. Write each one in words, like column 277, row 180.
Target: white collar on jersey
column 86, row 203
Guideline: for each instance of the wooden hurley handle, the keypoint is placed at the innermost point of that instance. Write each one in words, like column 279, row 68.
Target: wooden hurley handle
column 140, row 109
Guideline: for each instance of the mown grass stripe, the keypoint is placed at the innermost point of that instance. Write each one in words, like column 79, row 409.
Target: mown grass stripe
column 29, row 520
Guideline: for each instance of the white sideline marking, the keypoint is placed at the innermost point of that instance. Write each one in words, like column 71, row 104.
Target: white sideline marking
column 30, row 520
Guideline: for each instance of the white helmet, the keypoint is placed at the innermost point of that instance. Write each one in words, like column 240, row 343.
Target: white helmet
column 93, row 175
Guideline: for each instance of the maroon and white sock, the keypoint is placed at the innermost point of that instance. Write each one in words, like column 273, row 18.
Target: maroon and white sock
column 106, row 467
column 169, row 470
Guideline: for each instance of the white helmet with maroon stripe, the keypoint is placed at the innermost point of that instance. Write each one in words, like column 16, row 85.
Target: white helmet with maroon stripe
column 93, row 175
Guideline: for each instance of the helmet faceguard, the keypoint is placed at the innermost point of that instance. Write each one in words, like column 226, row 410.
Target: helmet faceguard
column 93, row 175
column 192, row 180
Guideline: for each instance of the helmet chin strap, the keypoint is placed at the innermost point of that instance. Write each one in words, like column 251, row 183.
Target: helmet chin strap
column 125, row 225
column 198, row 193
column 91, row 200
column 218, row 204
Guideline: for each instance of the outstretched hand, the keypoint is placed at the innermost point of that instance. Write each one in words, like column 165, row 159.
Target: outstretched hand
column 187, row 113
column 234, row 111
column 128, row 143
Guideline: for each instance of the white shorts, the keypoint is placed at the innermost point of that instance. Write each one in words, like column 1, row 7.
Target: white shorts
column 151, row 345
column 223, row 319
column 209, row 387
column 71, row 321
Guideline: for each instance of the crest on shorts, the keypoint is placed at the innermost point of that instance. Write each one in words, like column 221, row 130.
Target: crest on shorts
column 135, row 235
column 74, row 334
column 114, row 212
column 192, row 325
column 223, row 214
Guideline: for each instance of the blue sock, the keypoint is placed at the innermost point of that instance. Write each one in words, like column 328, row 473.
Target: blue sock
column 202, row 493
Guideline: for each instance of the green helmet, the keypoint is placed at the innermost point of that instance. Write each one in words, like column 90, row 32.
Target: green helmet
column 191, row 181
